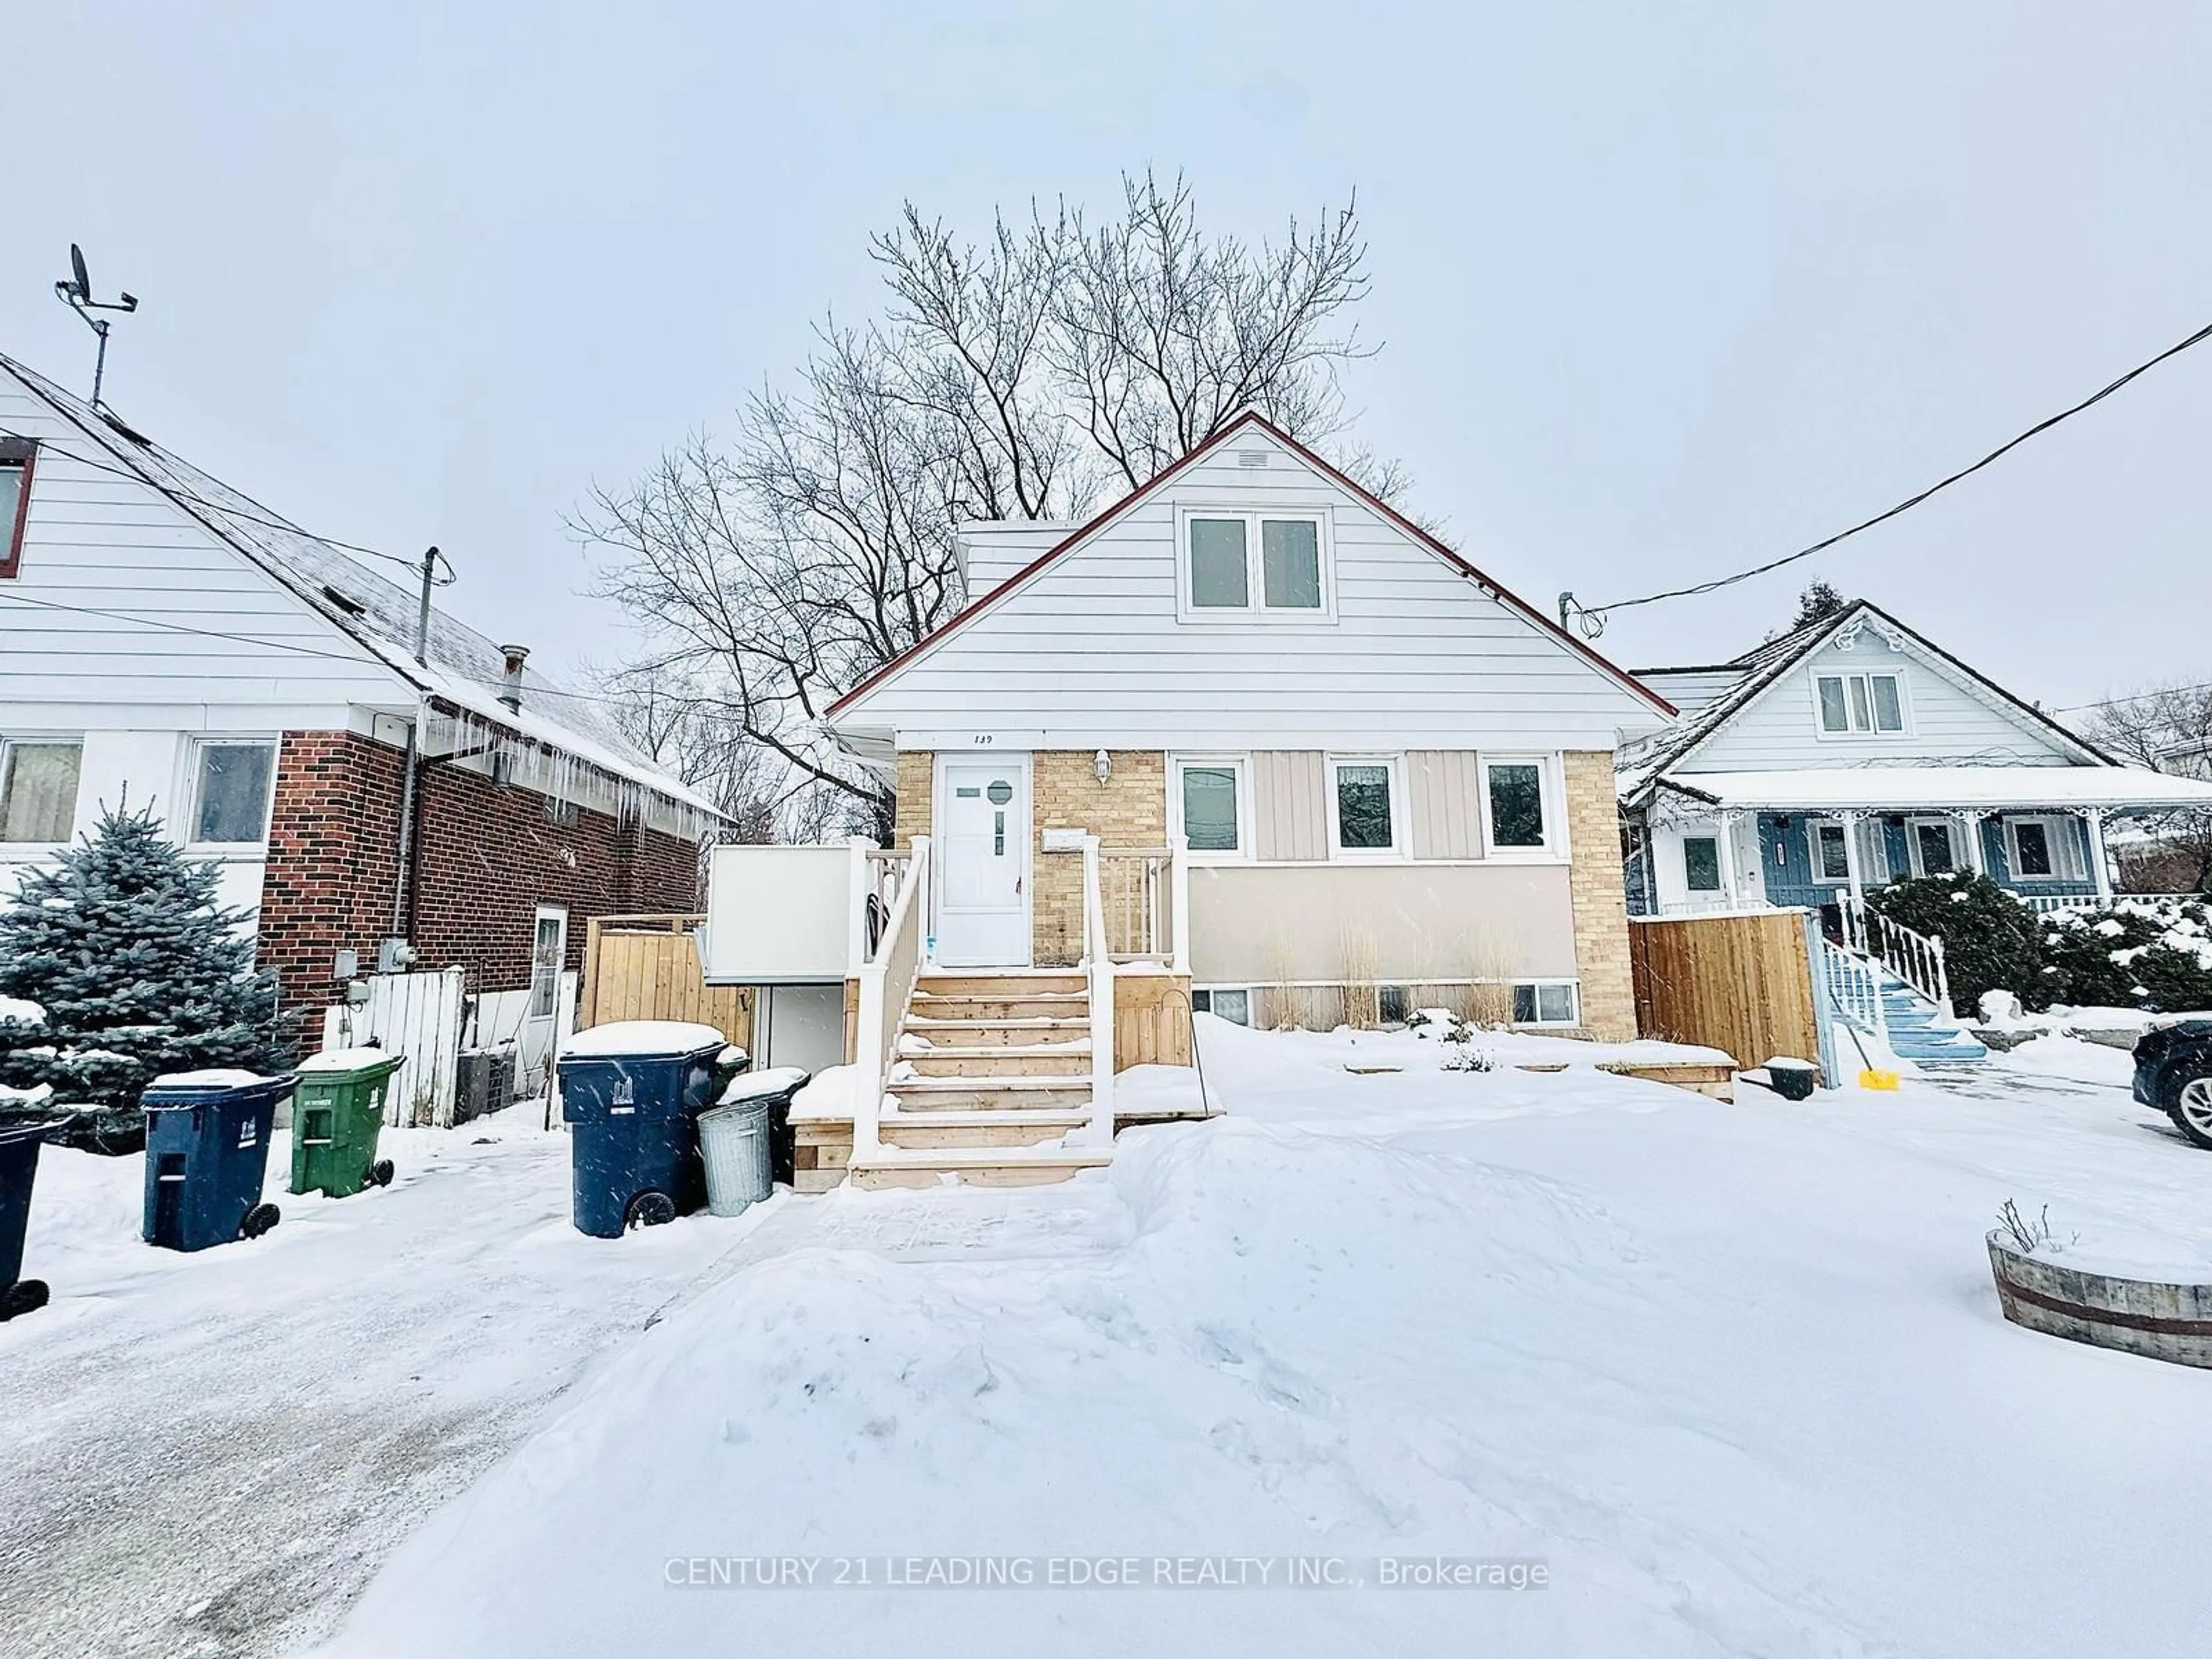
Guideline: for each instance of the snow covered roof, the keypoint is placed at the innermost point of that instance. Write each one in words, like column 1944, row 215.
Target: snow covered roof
column 1937, row 788
column 464, row 668
column 1642, row 762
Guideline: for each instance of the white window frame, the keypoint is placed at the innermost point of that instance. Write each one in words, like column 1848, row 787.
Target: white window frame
column 1919, row 821
column 1209, row 992
column 1256, row 607
column 1540, row 986
column 1241, row 766
column 539, row 917
column 2058, row 839
column 1554, row 849
column 1855, row 734
column 45, row 740
column 269, row 741
column 1720, row 864
column 1813, row 826
column 1393, row 772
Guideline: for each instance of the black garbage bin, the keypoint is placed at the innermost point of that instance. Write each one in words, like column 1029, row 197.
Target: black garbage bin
column 631, row 1093
column 207, row 1150
column 19, row 1170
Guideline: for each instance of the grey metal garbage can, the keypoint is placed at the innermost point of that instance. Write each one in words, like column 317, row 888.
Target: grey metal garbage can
column 737, row 1139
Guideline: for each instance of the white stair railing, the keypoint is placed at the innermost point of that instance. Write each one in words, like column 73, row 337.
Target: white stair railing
column 1915, row 957
column 886, row 983
column 1853, row 990
column 1098, row 966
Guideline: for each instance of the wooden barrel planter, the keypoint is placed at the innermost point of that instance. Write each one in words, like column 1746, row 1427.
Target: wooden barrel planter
column 2137, row 1315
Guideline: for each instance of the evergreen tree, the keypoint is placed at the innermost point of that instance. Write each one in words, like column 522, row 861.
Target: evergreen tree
column 1817, row 604
column 139, row 969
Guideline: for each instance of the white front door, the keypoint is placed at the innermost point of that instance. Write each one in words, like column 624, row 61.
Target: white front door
column 983, row 851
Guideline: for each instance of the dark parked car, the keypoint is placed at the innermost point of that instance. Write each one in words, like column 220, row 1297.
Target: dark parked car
column 2173, row 1072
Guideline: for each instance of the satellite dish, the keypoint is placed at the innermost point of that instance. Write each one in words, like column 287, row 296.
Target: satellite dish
column 76, row 265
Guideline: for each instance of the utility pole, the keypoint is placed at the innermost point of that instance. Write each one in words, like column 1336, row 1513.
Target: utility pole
column 411, row 763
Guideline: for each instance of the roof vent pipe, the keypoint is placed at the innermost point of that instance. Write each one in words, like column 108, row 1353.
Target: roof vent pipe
column 510, row 693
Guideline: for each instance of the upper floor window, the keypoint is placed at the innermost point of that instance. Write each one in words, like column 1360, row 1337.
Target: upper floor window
column 232, row 785
column 1856, row 705
column 38, row 789
column 16, row 455
column 1263, row 564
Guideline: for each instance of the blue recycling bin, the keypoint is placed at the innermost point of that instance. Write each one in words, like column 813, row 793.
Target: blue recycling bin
column 631, row 1093
column 207, row 1150
column 19, row 1170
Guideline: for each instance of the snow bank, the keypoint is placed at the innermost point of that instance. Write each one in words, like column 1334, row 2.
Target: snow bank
column 751, row 1086
column 344, row 1060
column 21, row 1010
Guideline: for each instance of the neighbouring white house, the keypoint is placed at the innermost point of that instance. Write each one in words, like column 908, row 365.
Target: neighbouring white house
column 1854, row 751
column 166, row 642
column 1249, row 739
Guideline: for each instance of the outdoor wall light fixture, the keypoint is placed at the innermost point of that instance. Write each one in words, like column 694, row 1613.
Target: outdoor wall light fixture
column 1102, row 766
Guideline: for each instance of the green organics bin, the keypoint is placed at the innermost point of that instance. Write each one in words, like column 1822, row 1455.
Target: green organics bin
column 336, row 1110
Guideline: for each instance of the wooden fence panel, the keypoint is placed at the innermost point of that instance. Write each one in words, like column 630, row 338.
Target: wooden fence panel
column 647, row 968
column 1740, row 983
column 417, row 1015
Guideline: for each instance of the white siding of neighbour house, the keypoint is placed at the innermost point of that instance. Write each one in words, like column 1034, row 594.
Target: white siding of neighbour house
column 1948, row 720
column 1089, row 653
column 1691, row 688
column 138, row 695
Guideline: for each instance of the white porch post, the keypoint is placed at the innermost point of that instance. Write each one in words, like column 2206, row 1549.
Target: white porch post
column 1852, row 867
column 1977, row 860
column 2100, row 867
column 1728, row 860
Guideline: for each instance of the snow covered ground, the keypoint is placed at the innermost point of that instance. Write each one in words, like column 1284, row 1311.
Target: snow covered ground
column 1735, row 1376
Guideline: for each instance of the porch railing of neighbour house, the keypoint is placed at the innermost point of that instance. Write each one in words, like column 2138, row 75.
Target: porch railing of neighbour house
column 887, row 976
column 1916, row 958
column 1853, row 990
column 1098, row 968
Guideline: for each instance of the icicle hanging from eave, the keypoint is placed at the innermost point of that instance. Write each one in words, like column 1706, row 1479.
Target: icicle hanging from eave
column 557, row 774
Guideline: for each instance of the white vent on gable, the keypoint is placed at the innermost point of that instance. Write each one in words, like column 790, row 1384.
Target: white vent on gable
column 1251, row 458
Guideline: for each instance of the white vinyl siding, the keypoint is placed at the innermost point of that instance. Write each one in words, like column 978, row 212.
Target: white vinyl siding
column 199, row 622
column 1090, row 652
column 1945, row 720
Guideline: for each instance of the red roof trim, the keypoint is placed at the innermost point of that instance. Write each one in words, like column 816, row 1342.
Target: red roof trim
column 1496, row 590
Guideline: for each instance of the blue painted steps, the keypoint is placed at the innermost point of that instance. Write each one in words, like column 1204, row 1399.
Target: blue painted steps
column 1917, row 1031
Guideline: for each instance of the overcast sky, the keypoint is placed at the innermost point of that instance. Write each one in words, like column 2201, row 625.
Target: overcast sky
column 1662, row 291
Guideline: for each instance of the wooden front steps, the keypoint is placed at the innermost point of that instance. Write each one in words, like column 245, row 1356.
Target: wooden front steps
column 990, row 1166
column 992, row 1074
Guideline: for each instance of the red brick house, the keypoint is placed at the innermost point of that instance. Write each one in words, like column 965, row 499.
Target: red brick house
column 373, row 786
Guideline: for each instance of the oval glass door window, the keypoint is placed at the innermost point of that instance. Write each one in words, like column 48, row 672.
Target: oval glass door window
column 1000, row 792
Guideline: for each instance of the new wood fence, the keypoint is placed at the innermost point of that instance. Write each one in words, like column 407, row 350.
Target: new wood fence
column 1740, row 983
column 647, row 968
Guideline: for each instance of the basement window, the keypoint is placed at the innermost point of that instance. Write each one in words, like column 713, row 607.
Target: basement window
column 16, row 455
column 1235, row 1007
column 1544, row 1003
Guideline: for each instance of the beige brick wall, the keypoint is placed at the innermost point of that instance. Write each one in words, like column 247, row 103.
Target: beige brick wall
column 1130, row 809
column 916, row 770
column 1600, row 907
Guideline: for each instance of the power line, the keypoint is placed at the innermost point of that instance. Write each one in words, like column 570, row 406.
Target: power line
column 1592, row 618
column 177, row 492
column 2139, row 696
column 371, row 660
